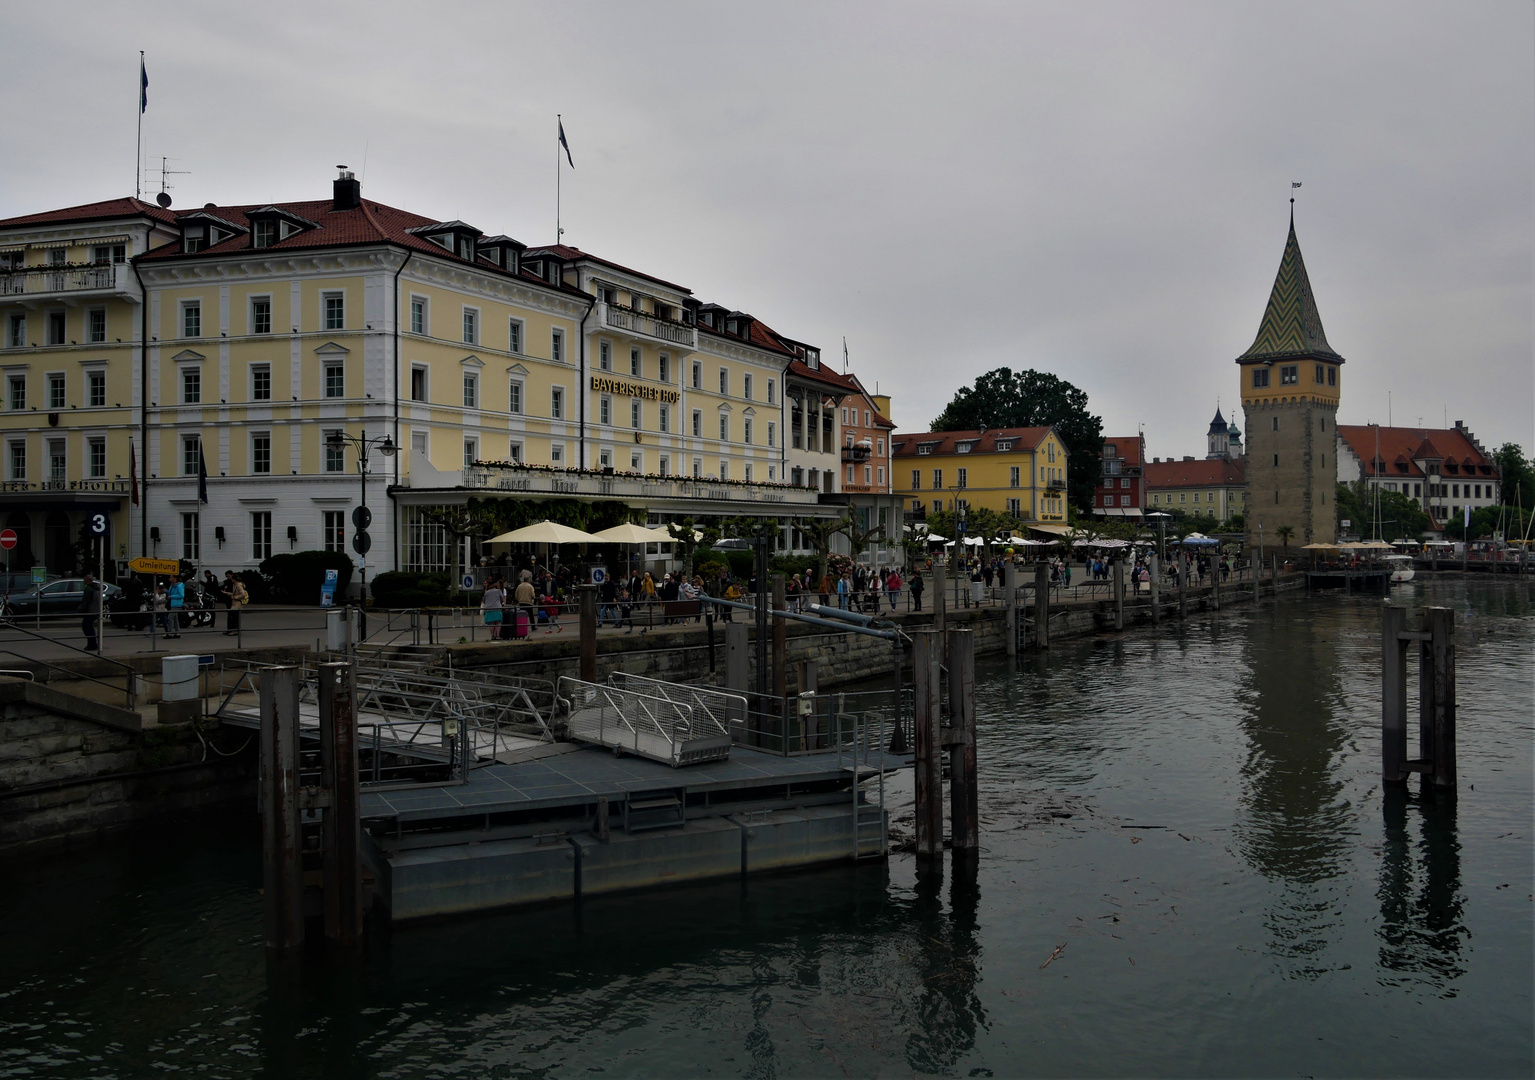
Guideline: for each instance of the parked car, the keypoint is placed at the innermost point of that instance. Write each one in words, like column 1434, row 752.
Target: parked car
column 60, row 597
column 15, row 582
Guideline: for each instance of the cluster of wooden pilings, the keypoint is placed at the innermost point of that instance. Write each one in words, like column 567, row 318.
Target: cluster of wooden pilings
column 311, row 827
column 943, row 681
column 1435, row 639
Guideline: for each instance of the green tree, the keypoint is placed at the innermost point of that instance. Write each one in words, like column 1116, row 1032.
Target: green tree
column 1009, row 399
column 819, row 531
column 1518, row 476
column 1284, row 532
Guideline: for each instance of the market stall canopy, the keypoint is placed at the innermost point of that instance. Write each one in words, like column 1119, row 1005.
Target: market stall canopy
column 1373, row 545
column 1199, row 540
column 630, row 533
column 1052, row 530
column 1321, row 547
column 934, row 538
column 1095, row 543
column 544, row 532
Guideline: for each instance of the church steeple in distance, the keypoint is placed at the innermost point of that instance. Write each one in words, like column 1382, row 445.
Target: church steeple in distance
column 1290, row 386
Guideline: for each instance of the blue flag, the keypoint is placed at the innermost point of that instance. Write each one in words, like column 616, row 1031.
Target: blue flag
column 563, row 143
column 143, row 86
column 202, row 475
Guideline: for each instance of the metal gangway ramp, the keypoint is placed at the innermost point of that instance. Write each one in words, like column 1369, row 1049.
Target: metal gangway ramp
column 725, row 708
column 644, row 725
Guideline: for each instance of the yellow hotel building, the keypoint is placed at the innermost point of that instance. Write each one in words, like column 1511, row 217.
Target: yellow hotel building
column 235, row 340
column 1019, row 472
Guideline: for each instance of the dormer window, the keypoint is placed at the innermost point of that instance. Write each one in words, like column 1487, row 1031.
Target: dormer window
column 1004, row 445
column 607, row 295
column 264, row 233
column 708, row 318
column 813, row 359
column 923, row 449
column 193, row 238
column 963, row 448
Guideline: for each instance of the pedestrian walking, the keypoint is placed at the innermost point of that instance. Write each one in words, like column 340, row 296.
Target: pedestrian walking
column 916, row 591
column 161, row 603
column 90, row 609
column 235, row 599
column 492, row 608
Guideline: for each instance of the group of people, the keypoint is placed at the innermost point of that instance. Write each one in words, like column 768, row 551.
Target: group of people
column 166, row 601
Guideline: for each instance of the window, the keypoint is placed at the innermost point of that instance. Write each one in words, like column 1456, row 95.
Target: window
column 964, row 477
column 1013, row 476
column 1014, row 507
column 335, row 311
column 55, row 328
column 18, row 460
column 937, row 479
column 191, row 320
column 937, row 506
column 557, row 346
column 514, row 397
column 261, row 382
column 746, row 388
column 1324, row 423
column 333, row 530
column 191, row 455
column 191, row 536
column 96, row 325
column 724, row 469
column 1124, row 481
column 772, row 433
column 418, row 376
column 924, row 450
column 664, row 368
column 1260, row 377
column 514, row 451
column 1321, row 375
column 471, row 325
column 605, row 410
column 335, row 381
column 417, row 315
column 514, row 335
column 665, row 465
column 1276, row 461
column 636, row 461
column 868, row 474
column 634, row 414
column 191, row 385
column 698, row 468
column 17, row 338
column 335, row 452
column 746, row 431
column 772, row 473
column 58, row 466
column 916, row 479
column 109, row 253
column 471, row 452
column 1332, row 375
column 263, row 233
column 1050, row 451
column 261, row 452
column 724, row 427
column 96, row 458
column 605, row 459
column 557, row 403
column 725, row 382
column 635, row 366
column 770, row 391
column 261, row 316
column 55, row 392
column 471, row 390
column 664, row 418
column 1275, row 421
column 556, row 453
column 261, row 535
column 1289, row 374
column 748, row 474
column 604, row 356
column 698, row 424
column 1183, row 496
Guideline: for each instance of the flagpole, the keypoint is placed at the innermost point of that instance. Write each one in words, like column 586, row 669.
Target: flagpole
column 138, row 152
column 558, row 121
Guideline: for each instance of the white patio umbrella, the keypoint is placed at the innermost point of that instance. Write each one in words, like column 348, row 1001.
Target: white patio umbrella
column 934, row 538
column 630, row 533
column 544, row 532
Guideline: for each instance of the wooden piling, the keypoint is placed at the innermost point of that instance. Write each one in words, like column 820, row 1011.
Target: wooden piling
column 780, row 640
column 601, row 828
column 1256, row 564
column 1010, row 607
column 1119, row 592
column 940, row 600
column 1215, row 581
column 737, row 656
column 1156, row 590
column 1183, row 584
column 927, row 651
column 964, row 804
column 342, row 828
column 1042, row 604
column 282, row 869
column 588, row 594
column 1437, row 665
column 1393, row 699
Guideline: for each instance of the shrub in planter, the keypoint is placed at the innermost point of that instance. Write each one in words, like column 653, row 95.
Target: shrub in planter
column 402, row 589
column 296, row 577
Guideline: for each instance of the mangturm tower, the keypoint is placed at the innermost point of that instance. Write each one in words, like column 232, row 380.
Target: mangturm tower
column 1290, row 384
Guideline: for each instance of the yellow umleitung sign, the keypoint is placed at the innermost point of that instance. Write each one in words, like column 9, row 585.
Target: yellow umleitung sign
column 155, row 566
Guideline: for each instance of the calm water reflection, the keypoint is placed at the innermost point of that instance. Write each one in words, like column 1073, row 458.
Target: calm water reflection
column 1195, row 816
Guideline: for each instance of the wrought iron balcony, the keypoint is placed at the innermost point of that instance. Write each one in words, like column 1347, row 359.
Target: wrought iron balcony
column 855, row 453
column 630, row 321
column 1055, row 485
column 67, row 282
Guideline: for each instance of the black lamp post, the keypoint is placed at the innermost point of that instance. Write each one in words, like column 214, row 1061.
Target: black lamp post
column 361, row 518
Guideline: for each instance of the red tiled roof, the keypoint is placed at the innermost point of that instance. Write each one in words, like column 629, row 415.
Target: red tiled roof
column 1402, row 448
column 97, row 211
column 565, row 251
column 882, row 421
column 824, row 375
column 1201, row 472
column 1128, row 449
column 943, row 442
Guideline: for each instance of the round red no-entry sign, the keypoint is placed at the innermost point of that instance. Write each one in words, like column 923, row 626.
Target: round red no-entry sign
column 7, row 538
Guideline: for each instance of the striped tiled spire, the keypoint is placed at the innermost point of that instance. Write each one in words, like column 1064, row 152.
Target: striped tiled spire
column 1291, row 326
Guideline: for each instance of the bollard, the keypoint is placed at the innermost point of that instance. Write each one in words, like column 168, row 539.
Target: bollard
column 964, row 805
column 601, row 830
column 342, row 830
column 588, row 594
column 1042, row 604
column 282, row 868
column 927, row 650
column 1156, row 590
column 940, row 601
column 1119, row 592
column 1010, row 607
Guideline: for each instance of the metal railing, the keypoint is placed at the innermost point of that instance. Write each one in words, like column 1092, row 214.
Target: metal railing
column 650, row 727
column 638, row 322
column 35, row 280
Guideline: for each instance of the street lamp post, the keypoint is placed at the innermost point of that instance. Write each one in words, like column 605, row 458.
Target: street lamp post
column 361, row 541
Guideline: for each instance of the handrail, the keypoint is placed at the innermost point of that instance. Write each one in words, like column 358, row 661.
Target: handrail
column 130, row 691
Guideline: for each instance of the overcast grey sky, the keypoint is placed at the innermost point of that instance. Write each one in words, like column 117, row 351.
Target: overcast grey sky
column 1095, row 190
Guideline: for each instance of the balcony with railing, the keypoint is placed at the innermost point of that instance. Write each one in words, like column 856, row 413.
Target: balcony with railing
column 67, row 283
column 1056, row 484
column 632, row 321
column 856, row 454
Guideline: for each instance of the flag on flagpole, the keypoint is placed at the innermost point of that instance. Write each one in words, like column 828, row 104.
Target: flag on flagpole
column 133, row 474
column 202, row 475
column 844, row 356
column 143, row 86
column 1294, row 184
column 563, row 143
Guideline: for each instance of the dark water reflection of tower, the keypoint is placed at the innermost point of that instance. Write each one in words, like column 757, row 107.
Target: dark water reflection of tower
column 1421, row 904
column 1294, row 824
column 949, row 1014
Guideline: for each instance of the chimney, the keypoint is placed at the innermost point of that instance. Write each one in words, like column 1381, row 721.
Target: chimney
column 1188, row 457
column 347, row 191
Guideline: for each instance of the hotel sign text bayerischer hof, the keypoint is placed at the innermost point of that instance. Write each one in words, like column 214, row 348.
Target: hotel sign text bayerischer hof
column 632, row 389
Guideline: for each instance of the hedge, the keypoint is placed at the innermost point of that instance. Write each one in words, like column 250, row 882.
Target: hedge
column 296, row 577
column 402, row 589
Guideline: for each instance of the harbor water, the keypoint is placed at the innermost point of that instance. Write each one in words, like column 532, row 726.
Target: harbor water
column 1190, row 868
